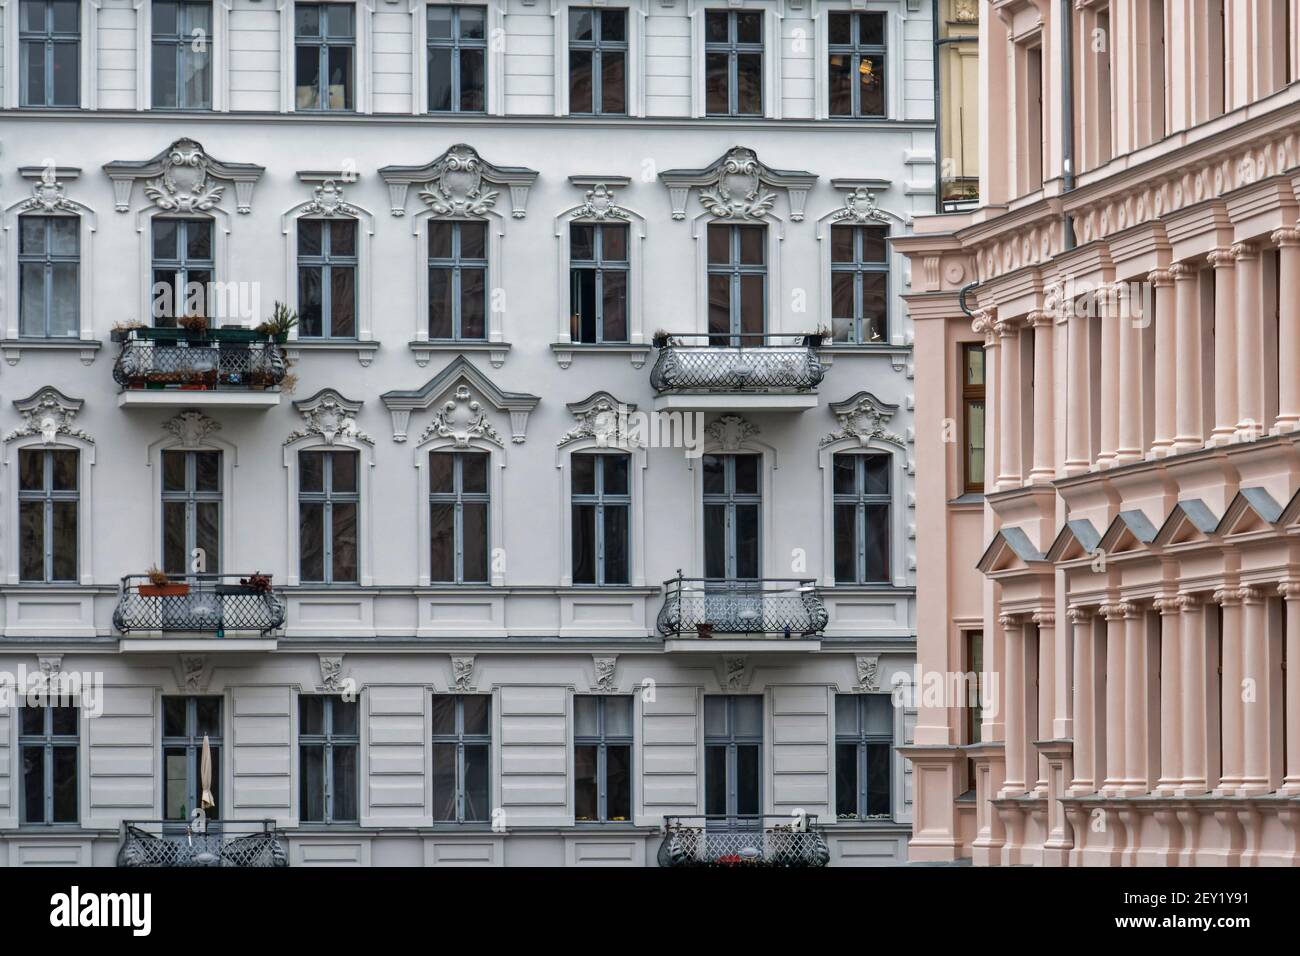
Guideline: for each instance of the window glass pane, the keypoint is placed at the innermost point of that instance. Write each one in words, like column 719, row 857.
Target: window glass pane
column 719, row 245
column 64, row 721
column 473, row 303
column 31, row 531
column 343, row 302
column 746, row 474
column 441, row 466
column 583, row 468
column 476, row 784
column 32, row 721
column 880, row 714
column 66, row 65
column 442, row 542
column 175, row 551
column 715, row 716
column 749, row 84
column 473, row 240
column 845, row 474
column 307, row 20
column 31, row 234
column 472, row 85
column 198, row 239
column 878, row 780
column 716, row 85
column 439, row 23
column 343, row 471
column 618, row 784
column 840, row 28
column 444, row 782
column 612, row 82
column 846, row 781
column 585, row 723
column 477, row 708
column 584, row 544
column 440, row 89
column 715, row 780
column 613, row 26
column 974, row 365
column 63, row 534
column 473, row 473
column 207, row 716
column 749, row 27
column 751, row 244
column 616, row 563
column 581, row 23
column 846, row 714
column 615, row 476
column 176, row 798
column 33, row 784
column 840, row 76
column 842, row 243
column 873, row 244
column 311, row 471
column 871, row 29
column 715, row 26
column 747, row 781
column 871, row 75
column 340, row 77
column 207, row 471
column 444, row 714
column 345, row 541
column 63, row 470
column 311, row 530
column 586, row 807
column 33, row 16
column 311, row 714
column 309, row 237
column 207, row 533
column 614, row 306
column 473, row 23
column 174, row 709
column 64, row 235
column 618, row 716
column 580, row 81
column 582, row 242
column 163, row 78
column 474, row 522
column 715, row 474
column 715, row 541
column 875, row 474
column 876, row 544
column 345, row 783
column 165, row 233
column 846, row 544
column 749, row 716
column 747, row 550
column 65, row 785
column 338, row 19
column 196, row 72
column 311, row 790
column 874, row 306
column 307, row 78
column 440, row 304
column 31, row 470
column 65, row 299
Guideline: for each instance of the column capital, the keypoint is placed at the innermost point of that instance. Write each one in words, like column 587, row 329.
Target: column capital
column 1009, row 621
column 1248, row 594
column 1044, row 618
column 1288, row 236
column 1289, row 590
column 1227, row 597
column 1244, row 250
column 1222, row 258
column 1167, row 604
column 1078, row 614
column 1188, row 602
column 1040, row 318
column 1160, row 278
column 1182, row 271
column 1007, row 327
column 1118, row 610
column 983, row 321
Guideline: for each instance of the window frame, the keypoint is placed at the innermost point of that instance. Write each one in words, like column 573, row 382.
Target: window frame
column 602, row 740
column 325, row 42
column 192, row 742
column 862, row 500
column 327, row 497
column 328, row 740
column 861, row 740
column 856, row 50
column 597, row 46
column 49, row 38
column 735, row 270
column 599, row 499
column 48, row 495
column 48, row 260
column 456, row 43
column 179, row 41
column 365, row 463
column 48, row 741
column 458, row 498
column 455, row 264
column 972, row 395
column 461, row 740
column 600, row 265
column 734, row 48
column 191, row 497
column 180, row 266
column 859, row 268
column 730, row 499
column 732, row 741
column 326, row 262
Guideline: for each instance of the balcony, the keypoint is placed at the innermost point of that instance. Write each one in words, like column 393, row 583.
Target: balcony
column 784, row 614
column 198, row 612
column 216, row 368
column 758, row 841
column 171, row 843
column 716, row 373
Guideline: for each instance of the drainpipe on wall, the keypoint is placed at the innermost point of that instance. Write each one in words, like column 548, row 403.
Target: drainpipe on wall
column 1067, row 111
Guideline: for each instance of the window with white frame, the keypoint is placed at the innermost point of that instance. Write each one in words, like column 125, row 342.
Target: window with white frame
column 859, row 284
column 864, row 735
column 733, row 755
column 184, row 266
column 601, row 513
column 458, row 292
column 598, row 270
column 733, row 503
column 459, row 503
column 329, row 504
column 456, row 58
column 49, row 500
column 191, row 510
column 329, row 739
column 181, row 50
column 49, row 738
column 733, row 62
column 602, row 758
column 325, row 40
column 598, row 54
column 862, row 503
column 49, row 270
column 327, row 278
column 737, row 284
column 189, row 726
column 857, row 64
column 49, row 37
column 462, row 747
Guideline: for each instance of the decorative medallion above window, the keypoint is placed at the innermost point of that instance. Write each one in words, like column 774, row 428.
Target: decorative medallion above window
column 738, row 186
column 48, row 192
column 461, row 414
column 329, row 416
column 459, row 184
column 863, row 417
column 184, row 178
column 191, row 428
column 48, row 413
column 600, row 204
column 602, row 417
column 730, row 432
column 327, row 201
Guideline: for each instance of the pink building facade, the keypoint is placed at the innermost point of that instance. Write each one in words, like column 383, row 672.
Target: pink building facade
column 1108, row 454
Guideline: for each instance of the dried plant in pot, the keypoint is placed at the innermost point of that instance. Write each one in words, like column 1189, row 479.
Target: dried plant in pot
column 162, row 586
column 195, row 325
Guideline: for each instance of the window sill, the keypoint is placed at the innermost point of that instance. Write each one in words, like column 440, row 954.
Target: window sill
column 14, row 348
column 365, row 350
column 423, row 350
column 565, row 351
column 898, row 354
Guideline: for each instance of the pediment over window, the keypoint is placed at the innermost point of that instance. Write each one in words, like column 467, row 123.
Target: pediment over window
column 184, row 178
column 860, row 206
column 459, row 183
column 601, row 417
column 1252, row 509
column 1129, row 531
column 1189, row 520
column 863, row 417
column 738, row 185
column 460, row 388
column 1011, row 550
column 48, row 413
column 329, row 416
column 1076, row 539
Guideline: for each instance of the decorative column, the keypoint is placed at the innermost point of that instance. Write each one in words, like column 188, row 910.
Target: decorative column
column 1116, row 684
column 1171, row 695
column 1110, row 375
column 1085, row 685
column 1009, row 397
column 1129, row 447
column 1232, row 771
column 1166, row 401
column 1288, row 333
column 1078, row 414
column 1014, row 637
column 1046, row 623
column 1224, row 262
column 1290, row 591
column 1194, row 658
column 1256, row 700
column 1136, row 700
column 1188, row 413
column 1250, row 342
column 1044, row 326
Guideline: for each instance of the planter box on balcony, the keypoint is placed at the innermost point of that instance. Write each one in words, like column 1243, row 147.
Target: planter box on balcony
column 164, row 590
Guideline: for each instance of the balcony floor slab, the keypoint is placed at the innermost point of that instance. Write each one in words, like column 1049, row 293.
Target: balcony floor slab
column 175, row 644
column 182, row 398
column 736, row 645
column 735, row 402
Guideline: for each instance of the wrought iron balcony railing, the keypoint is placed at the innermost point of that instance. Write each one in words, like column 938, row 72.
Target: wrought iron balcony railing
column 254, row 843
column 218, row 360
column 743, row 841
column 697, row 607
column 197, row 602
column 737, row 363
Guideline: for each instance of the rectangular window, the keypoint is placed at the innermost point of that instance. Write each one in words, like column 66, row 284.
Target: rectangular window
column 1031, row 123
column 857, row 64
column 859, row 284
column 598, row 273
column 186, row 723
column 48, row 502
column 458, row 517
column 462, row 746
column 48, row 738
column 860, row 486
column 733, row 755
column 457, row 59
column 329, row 737
column 602, row 504
column 973, row 704
column 329, row 504
column 864, row 735
column 733, row 504
column 458, row 294
column 972, row 416
column 182, row 55
column 597, row 61
column 602, row 759
column 49, row 270
column 49, row 41
column 737, row 290
column 183, row 268
column 325, row 41
column 733, row 63
column 327, row 278
column 191, row 510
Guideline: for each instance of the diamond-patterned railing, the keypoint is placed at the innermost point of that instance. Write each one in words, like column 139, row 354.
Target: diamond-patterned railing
column 760, row 841
column 748, row 363
column 695, row 607
column 223, row 362
column 164, row 843
column 196, row 602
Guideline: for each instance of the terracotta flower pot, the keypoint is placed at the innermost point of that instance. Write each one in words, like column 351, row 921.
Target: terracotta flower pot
column 164, row 590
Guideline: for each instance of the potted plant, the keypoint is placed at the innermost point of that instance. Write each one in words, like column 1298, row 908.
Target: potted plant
column 162, row 586
column 660, row 339
column 815, row 339
column 704, row 630
column 122, row 331
column 282, row 320
column 195, row 325
column 256, row 583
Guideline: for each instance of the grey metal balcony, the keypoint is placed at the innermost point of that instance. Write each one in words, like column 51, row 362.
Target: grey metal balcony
column 700, row 607
column 766, row 372
column 215, row 603
column 157, row 843
column 758, row 841
column 173, row 367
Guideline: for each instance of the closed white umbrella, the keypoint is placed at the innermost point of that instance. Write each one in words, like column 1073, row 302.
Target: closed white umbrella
column 205, row 776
